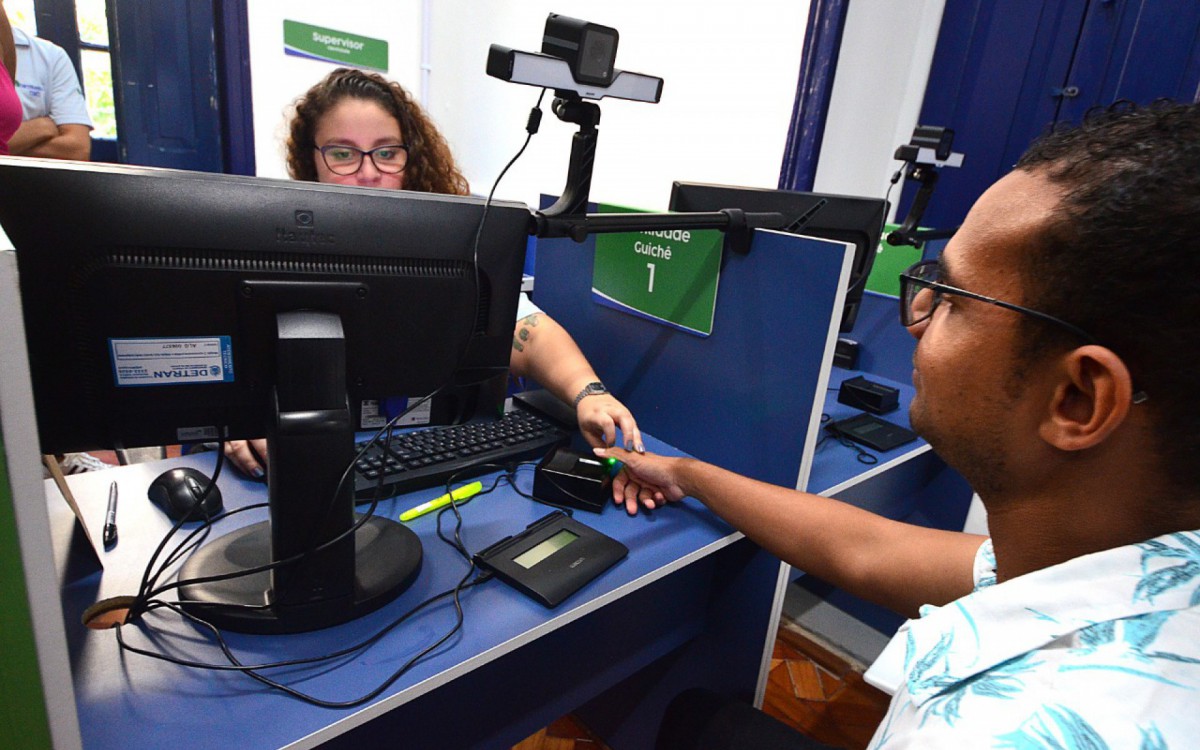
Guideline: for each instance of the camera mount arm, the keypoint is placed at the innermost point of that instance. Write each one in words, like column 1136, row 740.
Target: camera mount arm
column 928, row 150
column 908, row 234
column 567, row 217
column 736, row 224
column 570, row 108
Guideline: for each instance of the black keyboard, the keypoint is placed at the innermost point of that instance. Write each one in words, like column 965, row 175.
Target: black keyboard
column 425, row 458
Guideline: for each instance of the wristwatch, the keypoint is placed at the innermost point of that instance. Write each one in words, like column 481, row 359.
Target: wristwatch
column 591, row 389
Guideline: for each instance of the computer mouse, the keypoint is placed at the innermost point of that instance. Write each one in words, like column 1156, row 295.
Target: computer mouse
column 177, row 491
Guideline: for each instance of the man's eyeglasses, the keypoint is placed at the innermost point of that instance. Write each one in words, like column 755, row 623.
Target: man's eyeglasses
column 921, row 292
column 347, row 160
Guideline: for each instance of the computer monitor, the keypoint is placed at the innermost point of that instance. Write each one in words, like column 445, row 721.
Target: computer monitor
column 164, row 306
column 845, row 218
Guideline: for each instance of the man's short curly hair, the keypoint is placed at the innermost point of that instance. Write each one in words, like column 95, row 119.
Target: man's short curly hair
column 431, row 166
column 1121, row 259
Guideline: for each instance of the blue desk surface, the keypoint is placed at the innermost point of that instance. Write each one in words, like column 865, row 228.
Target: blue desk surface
column 127, row 700
column 835, row 465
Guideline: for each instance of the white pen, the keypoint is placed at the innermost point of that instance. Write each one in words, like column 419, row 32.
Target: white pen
column 110, row 518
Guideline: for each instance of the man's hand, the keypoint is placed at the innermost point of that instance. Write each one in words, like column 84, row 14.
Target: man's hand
column 599, row 417
column 646, row 479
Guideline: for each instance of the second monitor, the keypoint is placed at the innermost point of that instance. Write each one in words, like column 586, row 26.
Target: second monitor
column 845, row 218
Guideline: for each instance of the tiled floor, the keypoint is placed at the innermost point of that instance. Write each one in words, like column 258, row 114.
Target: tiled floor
column 568, row 733
column 809, row 688
column 821, row 694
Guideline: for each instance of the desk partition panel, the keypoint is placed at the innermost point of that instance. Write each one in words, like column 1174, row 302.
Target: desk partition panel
column 742, row 398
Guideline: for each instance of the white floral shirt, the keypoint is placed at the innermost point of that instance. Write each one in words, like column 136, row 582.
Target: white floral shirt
column 1102, row 651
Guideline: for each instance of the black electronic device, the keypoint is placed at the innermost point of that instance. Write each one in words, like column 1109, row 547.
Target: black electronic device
column 425, row 458
column 177, row 306
column 573, row 479
column 180, row 494
column 589, row 48
column 871, row 431
column 928, row 151
column 552, row 558
column 578, row 59
column 844, row 218
column 845, row 354
column 546, row 404
column 868, row 395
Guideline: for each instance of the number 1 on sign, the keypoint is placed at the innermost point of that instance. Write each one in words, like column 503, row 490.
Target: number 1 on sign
column 651, row 267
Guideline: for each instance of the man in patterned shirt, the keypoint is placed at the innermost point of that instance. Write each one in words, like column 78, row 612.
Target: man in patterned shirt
column 1055, row 367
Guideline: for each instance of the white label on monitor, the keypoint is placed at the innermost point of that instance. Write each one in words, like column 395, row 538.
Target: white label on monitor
column 184, row 360
column 370, row 416
column 195, row 434
column 420, row 414
column 374, row 415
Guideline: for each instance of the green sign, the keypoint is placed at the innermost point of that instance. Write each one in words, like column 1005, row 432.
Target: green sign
column 667, row 275
column 889, row 263
column 330, row 45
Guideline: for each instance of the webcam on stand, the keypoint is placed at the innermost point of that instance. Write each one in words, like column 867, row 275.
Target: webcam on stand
column 928, row 151
column 578, row 61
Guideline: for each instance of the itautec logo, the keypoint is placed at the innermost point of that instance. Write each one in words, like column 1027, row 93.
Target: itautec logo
column 304, row 232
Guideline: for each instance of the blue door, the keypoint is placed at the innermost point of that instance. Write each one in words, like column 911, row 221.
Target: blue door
column 1005, row 71
column 165, row 84
column 168, row 81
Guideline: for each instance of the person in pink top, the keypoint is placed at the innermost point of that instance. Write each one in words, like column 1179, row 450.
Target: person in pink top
column 10, row 104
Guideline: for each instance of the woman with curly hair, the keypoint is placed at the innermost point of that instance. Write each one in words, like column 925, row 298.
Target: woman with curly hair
column 358, row 128
column 353, row 105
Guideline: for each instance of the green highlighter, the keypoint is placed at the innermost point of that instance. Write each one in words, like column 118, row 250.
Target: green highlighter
column 462, row 493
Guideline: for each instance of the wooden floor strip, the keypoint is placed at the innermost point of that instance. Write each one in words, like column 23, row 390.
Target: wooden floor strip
column 809, row 687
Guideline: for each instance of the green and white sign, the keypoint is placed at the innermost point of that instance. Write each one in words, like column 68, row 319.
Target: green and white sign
column 667, row 275
column 330, row 45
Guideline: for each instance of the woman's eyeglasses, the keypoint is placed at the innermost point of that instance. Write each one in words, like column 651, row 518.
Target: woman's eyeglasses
column 347, row 160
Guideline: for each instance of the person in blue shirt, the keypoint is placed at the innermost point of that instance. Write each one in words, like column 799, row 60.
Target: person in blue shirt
column 55, row 123
column 1055, row 369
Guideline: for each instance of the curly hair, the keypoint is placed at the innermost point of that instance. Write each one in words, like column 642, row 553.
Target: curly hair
column 1122, row 257
column 431, row 166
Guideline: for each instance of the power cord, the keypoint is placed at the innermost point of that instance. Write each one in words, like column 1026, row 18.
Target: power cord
column 149, row 588
column 837, row 436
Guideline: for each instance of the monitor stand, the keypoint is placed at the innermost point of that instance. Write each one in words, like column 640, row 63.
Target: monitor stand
column 387, row 559
column 321, row 573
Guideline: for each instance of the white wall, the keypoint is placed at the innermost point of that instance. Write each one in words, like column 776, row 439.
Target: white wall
column 887, row 48
column 277, row 80
column 729, row 77
column 729, row 73
column 729, row 83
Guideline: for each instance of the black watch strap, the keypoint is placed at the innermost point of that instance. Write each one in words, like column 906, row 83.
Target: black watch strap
column 591, row 389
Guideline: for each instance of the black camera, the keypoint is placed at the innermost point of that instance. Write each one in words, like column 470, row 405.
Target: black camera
column 588, row 48
column 578, row 59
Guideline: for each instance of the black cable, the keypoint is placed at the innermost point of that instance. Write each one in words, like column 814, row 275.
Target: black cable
column 531, row 130
column 147, row 579
column 252, row 670
column 833, row 433
column 149, row 589
column 311, row 550
column 512, row 481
